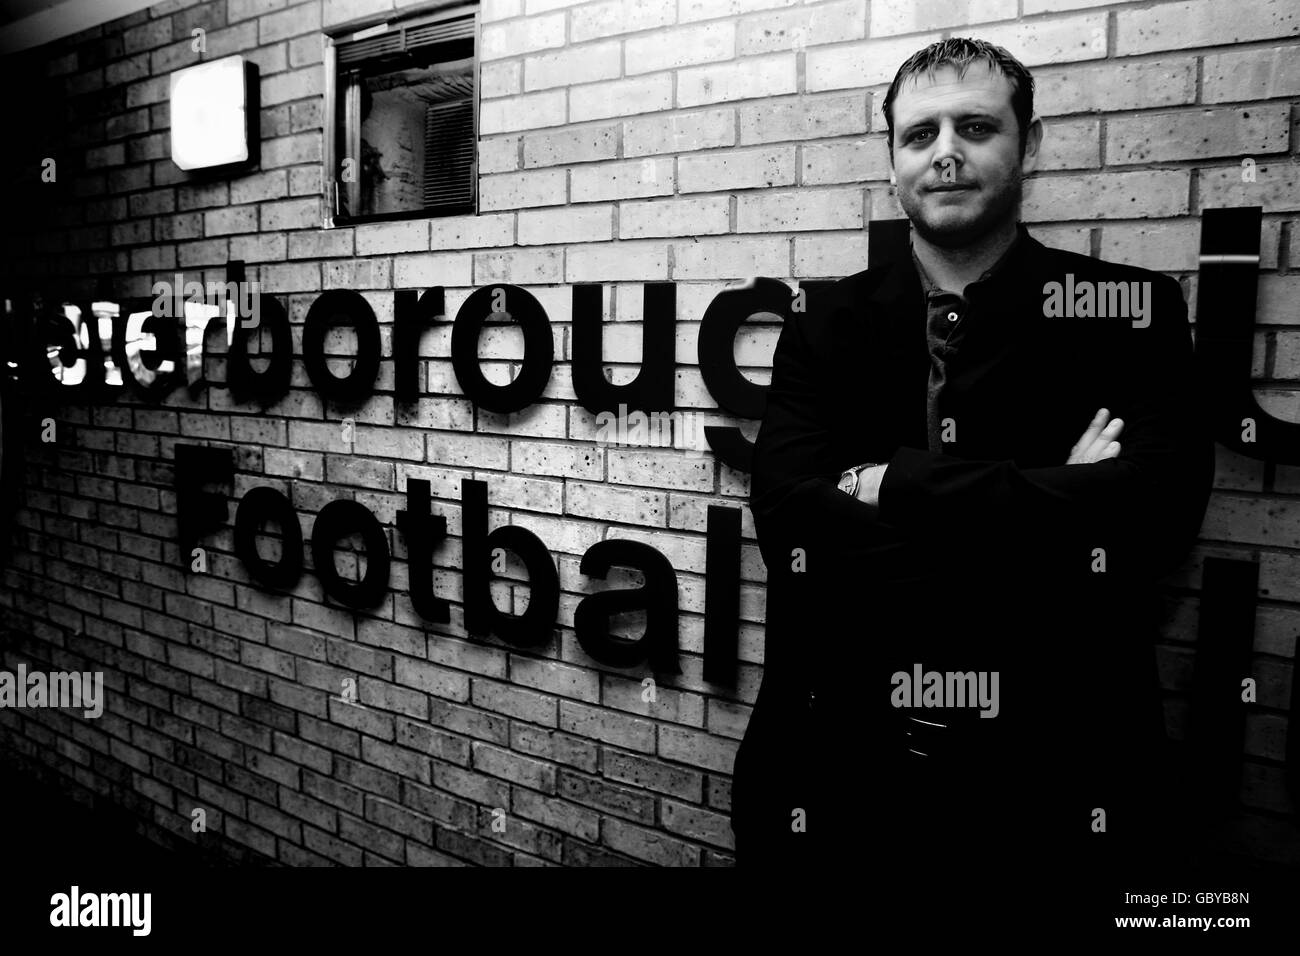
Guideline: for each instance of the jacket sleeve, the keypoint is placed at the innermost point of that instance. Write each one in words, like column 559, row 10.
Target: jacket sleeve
column 1144, row 507
column 794, row 498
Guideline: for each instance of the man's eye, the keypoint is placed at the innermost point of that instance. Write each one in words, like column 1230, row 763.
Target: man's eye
column 918, row 135
column 979, row 129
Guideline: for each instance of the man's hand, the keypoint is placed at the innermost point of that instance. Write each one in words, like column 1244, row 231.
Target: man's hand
column 869, row 484
column 1098, row 441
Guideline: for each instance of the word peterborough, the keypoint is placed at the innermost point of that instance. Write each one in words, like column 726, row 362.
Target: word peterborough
column 161, row 349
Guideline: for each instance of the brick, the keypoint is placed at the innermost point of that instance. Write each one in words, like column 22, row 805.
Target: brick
column 570, row 67
column 804, row 119
column 522, row 36
column 303, row 18
column 1136, row 195
column 685, row 46
column 619, row 98
column 580, row 224
column 1052, row 40
column 337, row 12
column 233, row 219
column 803, row 209
column 424, row 271
column 584, row 144
column 535, row 774
column 1178, row 26
column 543, row 187
column 653, row 775
column 608, row 726
column 522, row 267
column 750, row 78
column 515, row 702
column 679, row 132
column 609, row 798
column 615, row 17
column 461, row 232
column 625, row 180
column 557, row 814
column 613, row 262
column 698, row 824
column 526, row 111
column 1252, row 74
column 697, row 748
column 723, row 258
column 865, row 159
column 1115, row 86
column 737, row 169
column 854, row 65
column 799, row 28
column 650, row 845
column 377, row 238
column 502, row 78
column 1199, row 134
column 1071, row 145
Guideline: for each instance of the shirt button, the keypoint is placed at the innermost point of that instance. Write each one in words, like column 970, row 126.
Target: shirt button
column 952, row 316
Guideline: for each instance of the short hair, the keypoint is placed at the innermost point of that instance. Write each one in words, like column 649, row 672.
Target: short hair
column 961, row 52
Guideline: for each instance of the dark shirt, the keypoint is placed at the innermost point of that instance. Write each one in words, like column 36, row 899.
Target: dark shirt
column 950, row 316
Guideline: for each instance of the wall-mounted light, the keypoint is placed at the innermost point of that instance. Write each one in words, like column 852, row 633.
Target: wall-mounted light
column 213, row 112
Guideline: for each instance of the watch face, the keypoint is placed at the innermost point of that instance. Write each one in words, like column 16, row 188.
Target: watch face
column 846, row 482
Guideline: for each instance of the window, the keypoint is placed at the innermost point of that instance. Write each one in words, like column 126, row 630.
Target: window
column 402, row 142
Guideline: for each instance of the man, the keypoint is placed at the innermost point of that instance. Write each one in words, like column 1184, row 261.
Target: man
column 976, row 460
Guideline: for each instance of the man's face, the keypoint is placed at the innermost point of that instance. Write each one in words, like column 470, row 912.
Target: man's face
column 957, row 162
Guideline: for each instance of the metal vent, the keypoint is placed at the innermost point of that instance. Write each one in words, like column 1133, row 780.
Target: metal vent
column 442, row 32
column 405, row 39
column 360, row 50
column 449, row 155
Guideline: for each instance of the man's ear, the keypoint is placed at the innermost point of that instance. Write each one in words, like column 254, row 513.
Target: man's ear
column 1033, row 145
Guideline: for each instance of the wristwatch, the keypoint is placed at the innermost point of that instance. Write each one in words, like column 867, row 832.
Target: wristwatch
column 848, row 482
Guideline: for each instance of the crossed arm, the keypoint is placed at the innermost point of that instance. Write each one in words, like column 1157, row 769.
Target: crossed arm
column 1143, row 500
column 1099, row 441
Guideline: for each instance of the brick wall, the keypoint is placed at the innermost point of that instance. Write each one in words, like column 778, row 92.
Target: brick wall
column 697, row 141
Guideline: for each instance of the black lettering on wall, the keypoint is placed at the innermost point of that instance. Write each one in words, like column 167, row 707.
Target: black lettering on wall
column 534, row 626
column 333, row 308
column 1225, row 332
column 652, row 389
column 501, row 302
column 657, row 597
column 257, row 508
column 422, row 532
column 199, row 512
column 412, row 314
column 272, row 384
column 338, row 519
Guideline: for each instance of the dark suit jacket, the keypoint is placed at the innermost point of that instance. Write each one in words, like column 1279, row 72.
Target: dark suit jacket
column 984, row 557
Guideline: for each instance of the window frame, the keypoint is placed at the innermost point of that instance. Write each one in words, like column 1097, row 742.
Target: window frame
column 359, row 30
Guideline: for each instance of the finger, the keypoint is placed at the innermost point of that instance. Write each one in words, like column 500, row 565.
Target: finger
column 1093, row 430
column 1106, row 438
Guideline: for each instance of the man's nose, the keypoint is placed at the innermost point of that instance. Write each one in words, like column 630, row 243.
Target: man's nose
column 947, row 152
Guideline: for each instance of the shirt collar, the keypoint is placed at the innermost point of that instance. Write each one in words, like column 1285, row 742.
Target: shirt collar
column 929, row 287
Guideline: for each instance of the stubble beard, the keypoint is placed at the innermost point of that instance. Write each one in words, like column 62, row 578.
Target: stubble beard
column 1005, row 204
